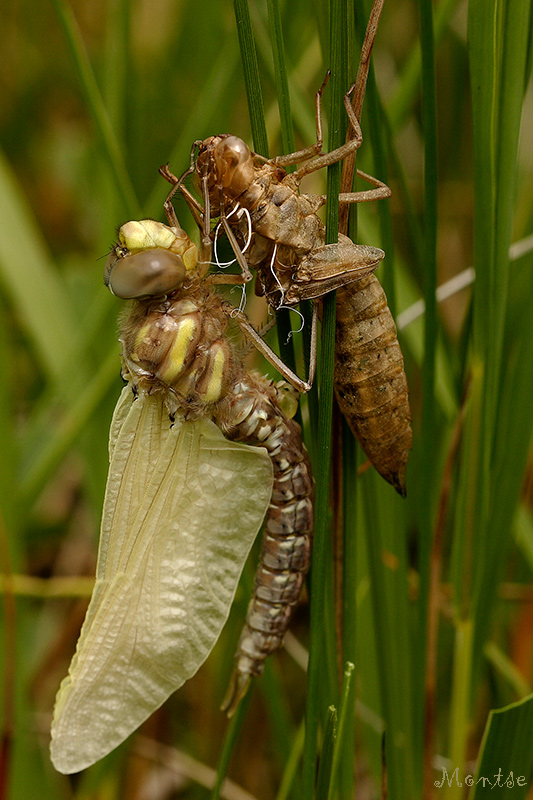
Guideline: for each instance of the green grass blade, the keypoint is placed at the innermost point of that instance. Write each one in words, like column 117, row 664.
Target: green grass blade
column 460, row 701
column 429, row 114
column 350, row 564
column 395, row 653
column 485, row 502
column 98, row 111
column 431, row 327
column 323, row 783
column 280, row 76
column 252, row 80
column 498, row 47
column 283, row 322
column 506, row 757
column 344, row 737
column 320, row 564
column 515, row 429
column 404, row 95
column 230, row 739
column 66, row 432
column 290, row 772
column 321, row 567
column 510, row 673
column 498, row 44
column 30, row 279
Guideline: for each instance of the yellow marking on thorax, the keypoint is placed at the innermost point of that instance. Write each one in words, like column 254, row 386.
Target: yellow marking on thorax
column 214, row 386
column 190, row 258
column 141, row 334
column 178, row 352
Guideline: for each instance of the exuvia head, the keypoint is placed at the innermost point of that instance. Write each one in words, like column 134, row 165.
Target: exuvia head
column 228, row 163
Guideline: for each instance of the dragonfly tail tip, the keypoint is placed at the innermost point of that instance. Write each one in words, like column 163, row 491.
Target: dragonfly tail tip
column 238, row 686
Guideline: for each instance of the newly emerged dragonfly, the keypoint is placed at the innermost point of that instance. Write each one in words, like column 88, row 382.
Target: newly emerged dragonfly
column 201, row 451
column 275, row 230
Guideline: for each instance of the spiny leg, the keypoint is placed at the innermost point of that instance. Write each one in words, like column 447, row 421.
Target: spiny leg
column 381, row 192
column 165, row 172
column 195, row 208
column 358, row 95
column 326, row 159
column 239, row 255
column 249, row 331
column 353, row 107
column 313, row 149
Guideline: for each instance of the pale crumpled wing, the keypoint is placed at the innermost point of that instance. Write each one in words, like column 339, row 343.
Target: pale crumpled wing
column 182, row 508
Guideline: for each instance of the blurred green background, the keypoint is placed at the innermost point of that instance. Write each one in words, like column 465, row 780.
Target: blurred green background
column 94, row 97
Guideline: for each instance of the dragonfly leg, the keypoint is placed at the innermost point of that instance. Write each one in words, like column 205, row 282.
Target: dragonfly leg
column 272, row 357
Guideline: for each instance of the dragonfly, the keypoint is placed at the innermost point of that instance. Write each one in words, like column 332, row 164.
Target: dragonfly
column 274, row 229
column 202, row 452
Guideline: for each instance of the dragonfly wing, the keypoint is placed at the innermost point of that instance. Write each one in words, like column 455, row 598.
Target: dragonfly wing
column 183, row 506
column 120, row 414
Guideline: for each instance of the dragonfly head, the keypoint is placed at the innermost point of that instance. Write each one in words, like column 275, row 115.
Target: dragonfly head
column 228, row 164
column 149, row 260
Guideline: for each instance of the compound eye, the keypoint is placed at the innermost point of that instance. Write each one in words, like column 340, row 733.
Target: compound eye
column 148, row 273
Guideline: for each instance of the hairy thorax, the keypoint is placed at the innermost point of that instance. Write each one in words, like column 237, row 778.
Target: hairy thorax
column 178, row 346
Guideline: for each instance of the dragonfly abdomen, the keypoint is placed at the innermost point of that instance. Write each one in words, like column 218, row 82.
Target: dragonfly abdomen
column 251, row 414
column 370, row 381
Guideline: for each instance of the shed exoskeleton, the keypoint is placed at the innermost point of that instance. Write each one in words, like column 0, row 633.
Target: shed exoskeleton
column 275, row 231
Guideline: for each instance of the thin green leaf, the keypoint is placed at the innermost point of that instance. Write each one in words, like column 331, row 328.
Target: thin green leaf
column 291, row 767
column 508, row 670
column 230, row 738
column 350, row 609
column 404, row 95
column 506, row 756
column 280, row 74
column 323, row 784
column 30, row 279
column 395, row 670
column 97, row 108
column 344, row 737
column 252, row 80
column 431, row 326
column 487, row 495
column 66, row 432
column 321, row 566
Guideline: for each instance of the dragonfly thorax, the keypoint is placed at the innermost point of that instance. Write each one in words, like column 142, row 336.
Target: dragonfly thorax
column 178, row 347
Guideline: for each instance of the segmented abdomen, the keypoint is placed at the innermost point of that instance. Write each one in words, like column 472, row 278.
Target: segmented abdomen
column 250, row 413
column 370, row 381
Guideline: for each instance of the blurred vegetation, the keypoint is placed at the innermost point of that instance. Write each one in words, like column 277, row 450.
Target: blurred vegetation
column 437, row 591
